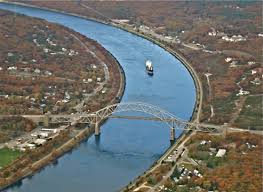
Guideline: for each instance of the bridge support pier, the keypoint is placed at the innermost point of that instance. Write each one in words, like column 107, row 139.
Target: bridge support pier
column 172, row 136
column 46, row 120
column 97, row 129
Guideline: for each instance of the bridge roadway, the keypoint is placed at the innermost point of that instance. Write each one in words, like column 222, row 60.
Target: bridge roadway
column 61, row 118
column 75, row 116
column 157, row 114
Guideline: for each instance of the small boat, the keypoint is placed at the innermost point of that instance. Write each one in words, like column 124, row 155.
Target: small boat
column 149, row 67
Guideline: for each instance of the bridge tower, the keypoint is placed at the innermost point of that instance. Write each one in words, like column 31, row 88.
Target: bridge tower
column 172, row 135
column 46, row 119
column 97, row 129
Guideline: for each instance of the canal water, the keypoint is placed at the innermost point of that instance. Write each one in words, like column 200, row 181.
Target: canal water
column 127, row 147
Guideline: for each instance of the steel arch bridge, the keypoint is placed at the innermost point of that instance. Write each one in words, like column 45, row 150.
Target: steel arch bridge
column 158, row 114
column 107, row 112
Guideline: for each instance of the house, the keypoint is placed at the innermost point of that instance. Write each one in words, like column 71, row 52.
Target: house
column 48, row 73
column 228, row 59
column 221, row 153
column 256, row 81
column 213, row 33
column 50, row 42
column 168, row 37
column 31, row 146
column 65, row 101
column 10, row 54
column 37, row 71
column 4, row 96
column 72, row 52
column 67, row 96
column 203, row 142
column 253, row 72
column 242, row 92
column 43, row 134
column 234, row 38
column 13, row 68
column 251, row 62
column 257, row 70
column 40, row 142
column 43, row 105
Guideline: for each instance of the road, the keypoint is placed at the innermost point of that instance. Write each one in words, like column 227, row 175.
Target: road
column 79, row 106
column 175, row 151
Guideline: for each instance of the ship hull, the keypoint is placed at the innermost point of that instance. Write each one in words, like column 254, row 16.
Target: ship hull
column 149, row 72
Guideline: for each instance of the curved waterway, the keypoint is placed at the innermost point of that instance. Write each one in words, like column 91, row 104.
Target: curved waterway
column 127, row 147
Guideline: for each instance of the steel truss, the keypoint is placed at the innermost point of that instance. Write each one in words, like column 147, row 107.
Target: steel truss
column 158, row 113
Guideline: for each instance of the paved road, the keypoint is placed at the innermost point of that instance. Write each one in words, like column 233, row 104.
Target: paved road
column 79, row 106
column 178, row 151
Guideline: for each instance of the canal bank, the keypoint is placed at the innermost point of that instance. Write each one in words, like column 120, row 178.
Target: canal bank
column 166, row 49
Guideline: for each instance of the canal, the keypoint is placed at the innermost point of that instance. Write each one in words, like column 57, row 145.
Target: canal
column 127, row 147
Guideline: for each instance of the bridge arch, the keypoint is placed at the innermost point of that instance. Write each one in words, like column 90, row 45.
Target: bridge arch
column 163, row 115
column 146, row 108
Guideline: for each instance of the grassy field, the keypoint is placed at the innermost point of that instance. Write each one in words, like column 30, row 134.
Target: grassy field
column 251, row 114
column 7, row 156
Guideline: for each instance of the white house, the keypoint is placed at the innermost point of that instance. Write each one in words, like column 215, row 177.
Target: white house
column 12, row 68
column 221, row 153
column 253, row 72
column 40, row 142
column 37, row 71
column 228, row 59
column 242, row 92
column 251, row 62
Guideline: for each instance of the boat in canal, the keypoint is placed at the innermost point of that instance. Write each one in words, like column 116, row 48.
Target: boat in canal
column 149, row 67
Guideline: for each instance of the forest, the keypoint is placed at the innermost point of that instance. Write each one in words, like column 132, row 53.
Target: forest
column 47, row 67
column 240, row 169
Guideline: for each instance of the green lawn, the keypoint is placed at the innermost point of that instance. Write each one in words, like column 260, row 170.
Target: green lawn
column 7, row 156
column 251, row 114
